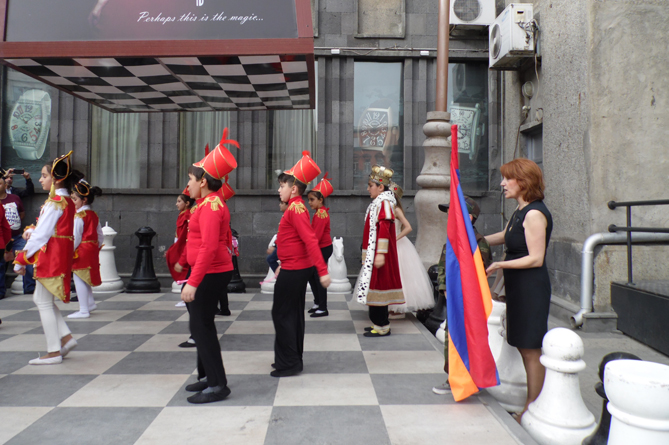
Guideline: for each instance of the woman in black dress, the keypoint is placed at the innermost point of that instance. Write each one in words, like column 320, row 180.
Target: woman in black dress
column 528, row 288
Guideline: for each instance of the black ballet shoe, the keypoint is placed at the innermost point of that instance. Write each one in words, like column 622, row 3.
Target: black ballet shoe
column 287, row 372
column 320, row 313
column 369, row 328
column 223, row 312
column 374, row 333
column 210, row 397
column 197, row 386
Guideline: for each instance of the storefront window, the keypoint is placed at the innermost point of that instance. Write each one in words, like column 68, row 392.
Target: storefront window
column 115, row 149
column 378, row 119
column 26, row 124
column 196, row 130
column 468, row 105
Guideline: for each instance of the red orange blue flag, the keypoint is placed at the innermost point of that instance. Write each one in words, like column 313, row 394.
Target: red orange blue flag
column 470, row 362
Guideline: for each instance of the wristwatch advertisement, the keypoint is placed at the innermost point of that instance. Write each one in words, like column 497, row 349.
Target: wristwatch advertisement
column 29, row 124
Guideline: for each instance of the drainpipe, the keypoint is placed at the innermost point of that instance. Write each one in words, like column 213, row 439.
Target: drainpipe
column 587, row 263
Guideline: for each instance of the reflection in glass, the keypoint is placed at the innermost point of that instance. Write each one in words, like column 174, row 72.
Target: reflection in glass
column 115, row 149
column 468, row 105
column 196, row 130
column 377, row 122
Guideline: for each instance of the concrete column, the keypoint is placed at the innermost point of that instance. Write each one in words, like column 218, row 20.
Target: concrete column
column 435, row 183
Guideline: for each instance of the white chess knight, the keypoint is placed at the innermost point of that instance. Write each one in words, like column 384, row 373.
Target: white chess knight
column 638, row 393
column 337, row 269
column 511, row 393
column 559, row 416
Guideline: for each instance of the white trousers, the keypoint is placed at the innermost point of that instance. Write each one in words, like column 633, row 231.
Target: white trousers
column 52, row 321
column 84, row 294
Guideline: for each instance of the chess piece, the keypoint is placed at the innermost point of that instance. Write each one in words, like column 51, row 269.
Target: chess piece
column 495, row 338
column 638, row 393
column 559, row 415
column 143, row 278
column 267, row 285
column 601, row 435
column 17, row 285
column 111, row 282
column 511, row 393
column 337, row 268
column 176, row 288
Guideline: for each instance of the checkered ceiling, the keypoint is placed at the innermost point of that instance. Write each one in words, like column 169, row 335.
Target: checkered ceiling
column 178, row 83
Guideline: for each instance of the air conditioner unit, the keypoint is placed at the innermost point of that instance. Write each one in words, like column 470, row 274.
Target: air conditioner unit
column 512, row 37
column 472, row 12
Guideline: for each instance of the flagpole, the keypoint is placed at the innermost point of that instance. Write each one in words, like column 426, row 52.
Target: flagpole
column 434, row 179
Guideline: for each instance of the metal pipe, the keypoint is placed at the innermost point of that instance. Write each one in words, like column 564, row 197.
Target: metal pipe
column 613, row 204
column 441, row 101
column 587, row 264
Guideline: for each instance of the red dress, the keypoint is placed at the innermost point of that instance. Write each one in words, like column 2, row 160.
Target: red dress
column 176, row 250
column 86, row 264
column 385, row 286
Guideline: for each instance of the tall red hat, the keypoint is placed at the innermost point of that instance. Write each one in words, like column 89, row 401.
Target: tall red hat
column 227, row 190
column 305, row 170
column 325, row 187
column 220, row 161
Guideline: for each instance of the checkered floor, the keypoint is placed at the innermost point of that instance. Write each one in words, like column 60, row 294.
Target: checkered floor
column 124, row 383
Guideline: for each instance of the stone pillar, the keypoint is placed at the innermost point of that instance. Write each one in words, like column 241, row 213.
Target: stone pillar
column 435, row 182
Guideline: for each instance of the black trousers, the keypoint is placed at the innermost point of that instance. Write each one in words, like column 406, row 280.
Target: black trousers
column 320, row 293
column 223, row 297
column 378, row 315
column 288, row 317
column 203, row 328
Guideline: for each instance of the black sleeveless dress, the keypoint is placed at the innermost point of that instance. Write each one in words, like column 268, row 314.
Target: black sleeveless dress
column 528, row 291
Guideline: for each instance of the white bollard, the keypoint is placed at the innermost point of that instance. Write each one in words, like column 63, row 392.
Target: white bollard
column 495, row 338
column 638, row 395
column 559, row 416
column 111, row 282
column 511, row 393
column 337, row 269
column 17, row 285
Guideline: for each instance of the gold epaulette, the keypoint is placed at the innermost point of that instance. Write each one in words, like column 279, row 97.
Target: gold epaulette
column 81, row 214
column 297, row 207
column 58, row 201
column 214, row 201
column 322, row 213
column 193, row 209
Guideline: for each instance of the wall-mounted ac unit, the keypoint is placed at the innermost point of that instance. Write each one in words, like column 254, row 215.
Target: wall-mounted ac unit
column 512, row 37
column 472, row 12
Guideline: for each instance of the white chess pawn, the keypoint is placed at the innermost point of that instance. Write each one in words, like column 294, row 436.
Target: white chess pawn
column 511, row 393
column 111, row 282
column 638, row 395
column 176, row 288
column 17, row 285
column 559, row 416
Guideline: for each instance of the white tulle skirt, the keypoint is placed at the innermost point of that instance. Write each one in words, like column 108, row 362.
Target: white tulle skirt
column 416, row 284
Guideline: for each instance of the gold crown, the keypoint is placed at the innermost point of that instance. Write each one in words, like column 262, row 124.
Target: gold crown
column 397, row 190
column 380, row 174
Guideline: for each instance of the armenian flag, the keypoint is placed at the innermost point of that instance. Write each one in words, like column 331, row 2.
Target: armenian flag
column 470, row 362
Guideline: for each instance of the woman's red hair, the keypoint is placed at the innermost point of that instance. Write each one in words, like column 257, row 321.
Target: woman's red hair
column 529, row 177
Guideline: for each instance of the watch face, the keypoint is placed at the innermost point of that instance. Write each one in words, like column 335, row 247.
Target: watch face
column 29, row 123
column 374, row 128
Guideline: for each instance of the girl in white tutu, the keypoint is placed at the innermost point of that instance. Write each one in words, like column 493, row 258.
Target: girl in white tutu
column 416, row 284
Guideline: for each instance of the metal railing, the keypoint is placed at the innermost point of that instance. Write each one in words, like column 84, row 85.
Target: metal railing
column 629, row 228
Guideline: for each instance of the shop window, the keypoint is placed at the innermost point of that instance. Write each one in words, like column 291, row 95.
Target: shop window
column 468, row 105
column 115, row 149
column 378, row 120
column 27, row 118
column 196, row 130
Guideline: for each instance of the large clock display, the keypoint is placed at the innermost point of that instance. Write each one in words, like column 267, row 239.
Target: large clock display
column 29, row 124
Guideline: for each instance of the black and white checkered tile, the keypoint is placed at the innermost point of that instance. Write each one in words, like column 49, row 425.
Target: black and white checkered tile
column 179, row 83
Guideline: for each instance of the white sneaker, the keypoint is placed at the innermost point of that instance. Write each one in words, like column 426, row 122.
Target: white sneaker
column 67, row 347
column 180, row 304
column 46, row 361
column 79, row 314
column 442, row 389
column 95, row 306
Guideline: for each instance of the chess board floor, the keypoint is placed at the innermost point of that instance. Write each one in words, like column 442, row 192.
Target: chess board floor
column 124, row 383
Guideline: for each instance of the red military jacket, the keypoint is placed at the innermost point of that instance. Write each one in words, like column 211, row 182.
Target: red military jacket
column 321, row 224
column 86, row 263
column 297, row 244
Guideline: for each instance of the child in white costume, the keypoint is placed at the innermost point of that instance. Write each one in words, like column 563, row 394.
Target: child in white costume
column 416, row 284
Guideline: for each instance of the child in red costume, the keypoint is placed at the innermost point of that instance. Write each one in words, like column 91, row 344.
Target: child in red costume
column 379, row 284
column 88, row 239
column 184, row 203
column 50, row 247
column 298, row 252
column 321, row 224
column 210, row 258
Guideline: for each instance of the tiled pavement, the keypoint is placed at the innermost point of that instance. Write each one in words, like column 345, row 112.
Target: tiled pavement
column 124, row 383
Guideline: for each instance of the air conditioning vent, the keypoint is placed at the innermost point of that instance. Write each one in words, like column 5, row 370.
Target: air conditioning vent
column 511, row 38
column 472, row 12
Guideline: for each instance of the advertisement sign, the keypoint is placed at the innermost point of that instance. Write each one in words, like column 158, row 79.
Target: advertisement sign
column 89, row 20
